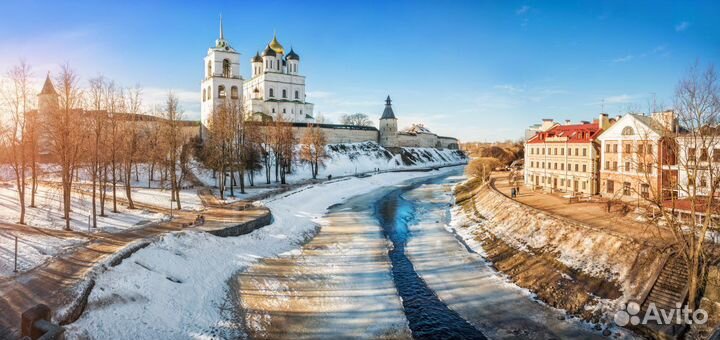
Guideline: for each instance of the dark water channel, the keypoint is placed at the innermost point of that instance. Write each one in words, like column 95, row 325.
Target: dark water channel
column 428, row 316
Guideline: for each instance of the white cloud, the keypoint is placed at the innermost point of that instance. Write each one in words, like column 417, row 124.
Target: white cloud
column 509, row 88
column 522, row 10
column 682, row 26
column 624, row 59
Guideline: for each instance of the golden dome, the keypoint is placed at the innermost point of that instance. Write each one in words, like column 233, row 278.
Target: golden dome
column 275, row 45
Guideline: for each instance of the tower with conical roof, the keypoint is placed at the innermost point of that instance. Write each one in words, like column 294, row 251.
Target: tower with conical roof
column 388, row 126
column 47, row 98
column 222, row 83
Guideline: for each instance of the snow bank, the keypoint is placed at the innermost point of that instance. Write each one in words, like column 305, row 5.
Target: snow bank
column 356, row 158
column 595, row 252
column 176, row 287
column 48, row 212
column 33, row 250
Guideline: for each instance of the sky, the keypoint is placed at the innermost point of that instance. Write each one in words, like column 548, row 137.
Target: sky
column 476, row 70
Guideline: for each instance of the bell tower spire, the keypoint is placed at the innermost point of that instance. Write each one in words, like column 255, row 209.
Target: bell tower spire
column 221, row 28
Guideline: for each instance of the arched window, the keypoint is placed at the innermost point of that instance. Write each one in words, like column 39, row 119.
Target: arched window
column 234, row 92
column 204, row 94
column 209, row 69
column 297, row 95
column 209, row 93
column 226, row 68
column 628, row 131
column 284, row 111
column 272, row 93
column 284, row 93
column 221, row 91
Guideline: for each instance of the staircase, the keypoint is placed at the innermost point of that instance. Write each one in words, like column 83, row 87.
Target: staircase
column 670, row 289
column 671, row 286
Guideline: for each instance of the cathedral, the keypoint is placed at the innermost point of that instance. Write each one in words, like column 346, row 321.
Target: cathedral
column 277, row 89
column 274, row 89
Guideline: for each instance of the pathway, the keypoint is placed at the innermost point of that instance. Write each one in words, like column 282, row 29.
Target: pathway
column 54, row 283
column 592, row 213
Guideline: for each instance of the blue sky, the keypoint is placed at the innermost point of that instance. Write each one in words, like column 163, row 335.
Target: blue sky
column 478, row 70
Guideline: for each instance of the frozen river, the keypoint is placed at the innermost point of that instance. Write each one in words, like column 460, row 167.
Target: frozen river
column 385, row 265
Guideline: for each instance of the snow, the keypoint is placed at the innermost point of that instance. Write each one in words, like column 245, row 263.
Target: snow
column 354, row 158
column 189, row 199
column 33, row 250
column 49, row 212
column 176, row 287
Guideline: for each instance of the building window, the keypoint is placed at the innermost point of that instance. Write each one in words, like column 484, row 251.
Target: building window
column 584, row 185
column 204, row 94
column 644, row 190
column 584, row 152
column 615, row 148
column 607, row 147
column 576, row 167
column 226, row 68
column 614, row 166
column 628, row 131
column 234, row 92
column 284, row 93
column 562, row 152
column 297, row 95
column 562, row 166
column 703, row 155
column 584, row 168
column 272, row 93
column 716, row 155
column 273, row 111
column 626, row 188
column 703, row 181
column 209, row 92
column 577, row 151
column 221, row 91
column 209, row 69
column 607, row 165
column 628, row 148
column 610, row 187
column 627, row 166
column 284, row 111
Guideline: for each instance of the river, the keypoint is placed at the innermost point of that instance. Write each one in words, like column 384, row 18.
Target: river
column 385, row 265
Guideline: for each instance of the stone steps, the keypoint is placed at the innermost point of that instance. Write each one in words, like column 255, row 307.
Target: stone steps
column 671, row 286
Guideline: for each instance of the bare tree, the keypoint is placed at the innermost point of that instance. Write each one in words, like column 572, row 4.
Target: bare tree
column 687, row 201
column 176, row 146
column 16, row 98
column 66, row 131
column 312, row 149
column 357, row 119
column 129, row 145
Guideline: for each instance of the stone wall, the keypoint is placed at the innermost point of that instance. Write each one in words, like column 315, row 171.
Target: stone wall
column 422, row 140
column 595, row 252
column 340, row 135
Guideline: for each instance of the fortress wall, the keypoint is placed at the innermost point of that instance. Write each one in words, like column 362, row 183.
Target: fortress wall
column 339, row 135
column 420, row 140
column 448, row 142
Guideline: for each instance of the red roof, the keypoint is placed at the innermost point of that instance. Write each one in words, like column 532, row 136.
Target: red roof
column 574, row 133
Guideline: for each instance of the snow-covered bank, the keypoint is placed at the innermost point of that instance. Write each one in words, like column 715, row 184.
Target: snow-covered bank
column 590, row 272
column 355, row 158
column 176, row 287
column 469, row 285
column 33, row 250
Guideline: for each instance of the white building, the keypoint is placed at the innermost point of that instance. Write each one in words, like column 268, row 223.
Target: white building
column 222, row 79
column 276, row 86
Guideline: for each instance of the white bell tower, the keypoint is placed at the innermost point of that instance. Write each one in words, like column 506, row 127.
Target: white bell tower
column 222, row 81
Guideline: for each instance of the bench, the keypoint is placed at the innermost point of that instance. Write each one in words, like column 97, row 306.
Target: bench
column 571, row 198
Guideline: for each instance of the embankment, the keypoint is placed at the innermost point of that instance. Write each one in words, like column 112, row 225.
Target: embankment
column 587, row 271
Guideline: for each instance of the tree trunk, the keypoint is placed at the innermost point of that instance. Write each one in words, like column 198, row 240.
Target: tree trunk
column 128, row 187
column 114, row 186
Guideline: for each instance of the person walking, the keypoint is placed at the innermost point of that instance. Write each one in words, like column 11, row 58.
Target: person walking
column 512, row 192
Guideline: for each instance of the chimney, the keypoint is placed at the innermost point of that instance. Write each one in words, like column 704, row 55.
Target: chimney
column 603, row 121
column 547, row 123
column 666, row 119
column 567, row 121
column 584, row 122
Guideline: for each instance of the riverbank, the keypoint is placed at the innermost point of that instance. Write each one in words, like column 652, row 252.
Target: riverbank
column 187, row 273
column 469, row 285
column 585, row 271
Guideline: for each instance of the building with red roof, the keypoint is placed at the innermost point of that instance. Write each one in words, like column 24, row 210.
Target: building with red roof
column 565, row 158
